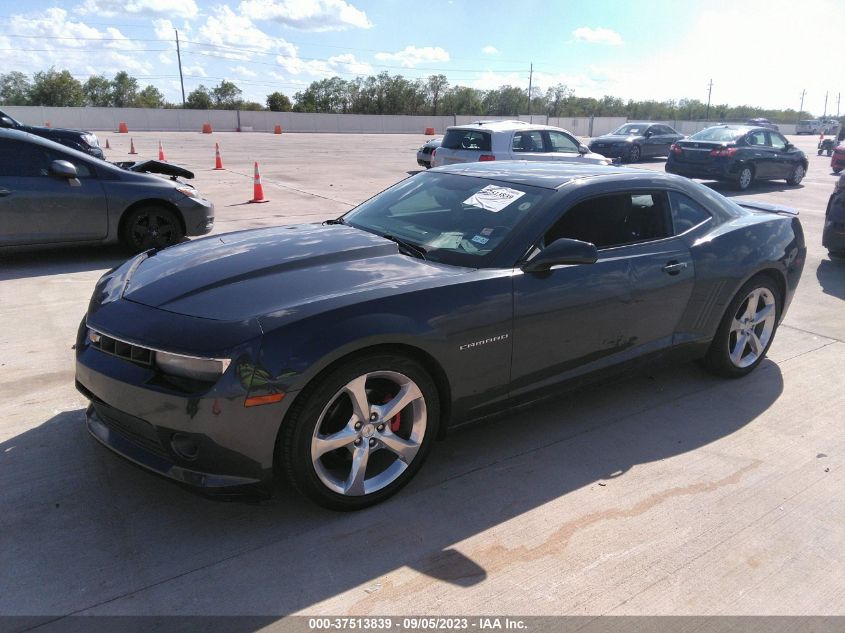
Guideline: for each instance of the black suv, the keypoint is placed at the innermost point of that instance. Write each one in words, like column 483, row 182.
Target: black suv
column 77, row 139
column 737, row 153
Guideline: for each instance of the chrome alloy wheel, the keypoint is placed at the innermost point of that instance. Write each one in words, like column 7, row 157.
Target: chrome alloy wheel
column 752, row 327
column 745, row 178
column 369, row 433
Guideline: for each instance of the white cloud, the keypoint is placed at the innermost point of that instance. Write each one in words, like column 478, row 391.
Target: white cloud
column 227, row 28
column 412, row 56
column 194, row 70
column 345, row 64
column 243, row 71
column 307, row 15
column 109, row 8
column 490, row 50
column 598, row 36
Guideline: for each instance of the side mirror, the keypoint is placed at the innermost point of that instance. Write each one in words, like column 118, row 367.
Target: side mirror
column 583, row 149
column 562, row 251
column 648, row 134
column 6, row 122
column 63, row 169
column 788, row 147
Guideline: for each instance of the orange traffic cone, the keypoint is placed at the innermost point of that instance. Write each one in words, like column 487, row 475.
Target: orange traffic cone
column 122, row 128
column 47, row 124
column 218, row 162
column 107, row 144
column 277, row 129
column 257, row 189
column 132, row 146
column 161, row 153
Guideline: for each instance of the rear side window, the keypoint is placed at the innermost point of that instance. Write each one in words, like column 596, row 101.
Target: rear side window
column 528, row 141
column 615, row 220
column 686, row 212
column 757, row 138
column 467, row 139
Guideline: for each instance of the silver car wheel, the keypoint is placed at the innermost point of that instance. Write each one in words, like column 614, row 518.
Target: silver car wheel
column 377, row 442
column 745, row 178
column 752, row 328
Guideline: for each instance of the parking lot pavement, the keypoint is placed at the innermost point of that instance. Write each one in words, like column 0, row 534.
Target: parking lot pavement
column 667, row 493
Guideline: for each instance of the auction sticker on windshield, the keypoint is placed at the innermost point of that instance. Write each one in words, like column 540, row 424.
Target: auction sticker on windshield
column 494, row 198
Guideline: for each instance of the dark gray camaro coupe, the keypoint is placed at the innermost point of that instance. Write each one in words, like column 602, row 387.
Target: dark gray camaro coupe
column 335, row 353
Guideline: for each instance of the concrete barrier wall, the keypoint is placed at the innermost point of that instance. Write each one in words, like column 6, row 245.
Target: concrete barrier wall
column 148, row 119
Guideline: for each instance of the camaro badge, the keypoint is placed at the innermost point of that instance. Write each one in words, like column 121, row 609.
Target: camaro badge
column 492, row 339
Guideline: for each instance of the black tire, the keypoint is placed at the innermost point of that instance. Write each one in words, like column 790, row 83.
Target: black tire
column 634, row 154
column 324, row 403
column 743, row 180
column 828, row 152
column 797, row 175
column 819, row 153
column 151, row 226
column 718, row 358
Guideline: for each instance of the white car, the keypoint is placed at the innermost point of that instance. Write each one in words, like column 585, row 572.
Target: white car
column 511, row 140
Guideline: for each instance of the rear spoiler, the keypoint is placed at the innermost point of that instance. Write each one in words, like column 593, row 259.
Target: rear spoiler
column 756, row 205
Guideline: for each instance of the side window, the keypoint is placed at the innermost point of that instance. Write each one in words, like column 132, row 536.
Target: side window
column 686, row 212
column 778, row 142
column 758, row 139
column 83, row 170
column 23, row 160
column 528, row 141
column 615, row 220
column 560, row 142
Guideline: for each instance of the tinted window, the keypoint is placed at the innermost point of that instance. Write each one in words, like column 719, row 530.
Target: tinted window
column 686, row 212
column 529, row 141
column 467, row 139
column 30, row 160
column 720, row 134
column 615, row 220
column 560, row 142
column 757, row 138
column 777, row 141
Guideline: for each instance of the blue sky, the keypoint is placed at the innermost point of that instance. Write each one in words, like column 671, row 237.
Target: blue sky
column 757, row 53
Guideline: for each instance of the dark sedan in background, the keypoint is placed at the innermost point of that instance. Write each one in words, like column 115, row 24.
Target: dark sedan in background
column 739, row 154
column 761, row 122
column 336, row 353
column 51, row 194
column 833, row 236
column 81, row 140
column 424, row 152
column 634, row 141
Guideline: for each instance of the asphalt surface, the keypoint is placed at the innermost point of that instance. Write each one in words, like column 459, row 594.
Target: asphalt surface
column 668, row 493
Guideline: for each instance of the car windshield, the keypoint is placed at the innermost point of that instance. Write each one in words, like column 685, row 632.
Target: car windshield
column 805, row 122
column 720, row 134
column 631, row 128
column 456, row 220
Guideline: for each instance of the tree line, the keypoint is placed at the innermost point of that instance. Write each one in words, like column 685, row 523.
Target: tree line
column 374, row 94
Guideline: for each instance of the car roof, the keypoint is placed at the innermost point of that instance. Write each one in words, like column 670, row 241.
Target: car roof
column 549, row 174
column 503, row 126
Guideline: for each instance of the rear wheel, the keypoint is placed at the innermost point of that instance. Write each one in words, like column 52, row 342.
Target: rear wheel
column 744, row 178
column 151, row 227
column 797, row 176
column 361, row 433
column 747, row 329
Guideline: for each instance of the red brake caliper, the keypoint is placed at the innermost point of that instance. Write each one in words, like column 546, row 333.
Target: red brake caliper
column 396, row 420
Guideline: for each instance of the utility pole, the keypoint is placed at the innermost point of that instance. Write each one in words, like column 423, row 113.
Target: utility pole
column 179, row 57
column 824, row 116
column 709, row 91
column 530, row 79
column 801, row 109
column 838, row 97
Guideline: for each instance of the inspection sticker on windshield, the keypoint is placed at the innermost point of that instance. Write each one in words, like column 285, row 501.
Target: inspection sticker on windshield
column 494, row 198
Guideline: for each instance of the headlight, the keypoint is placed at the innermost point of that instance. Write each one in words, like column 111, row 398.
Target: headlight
column 91, row 139
column 205, row 369
column 188, row 191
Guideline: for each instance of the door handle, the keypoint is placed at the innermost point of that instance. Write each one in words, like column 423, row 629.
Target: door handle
column 674, row 267
column 4, row 193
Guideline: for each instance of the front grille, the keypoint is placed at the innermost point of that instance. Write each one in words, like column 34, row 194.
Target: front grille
column 134, row 429
column 122, row 349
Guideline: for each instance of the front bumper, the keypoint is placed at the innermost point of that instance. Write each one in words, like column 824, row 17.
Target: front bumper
column 198, row 214
column 612, row 151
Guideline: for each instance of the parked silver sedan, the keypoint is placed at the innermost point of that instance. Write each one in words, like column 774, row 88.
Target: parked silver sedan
column 511, row 140
column 51, row 194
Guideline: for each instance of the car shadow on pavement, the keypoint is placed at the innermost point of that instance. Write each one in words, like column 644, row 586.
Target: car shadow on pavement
column 39, row 263
column 85, row 531
column 831, row 276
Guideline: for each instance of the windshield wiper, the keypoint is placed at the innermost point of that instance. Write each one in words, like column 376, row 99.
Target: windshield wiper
column 335, row 221
column 413, row 249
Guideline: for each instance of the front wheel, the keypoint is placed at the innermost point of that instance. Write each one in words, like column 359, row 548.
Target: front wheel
column 797, row 176
column 634, row 154
column 360, row 433
column 151, row 227
column 746, row 331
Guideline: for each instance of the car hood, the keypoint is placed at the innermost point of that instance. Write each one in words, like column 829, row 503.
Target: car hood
column 616, row 138
column 288, row 271
column 43, row 129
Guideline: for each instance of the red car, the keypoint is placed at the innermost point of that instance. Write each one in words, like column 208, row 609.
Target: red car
column 837, row 161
